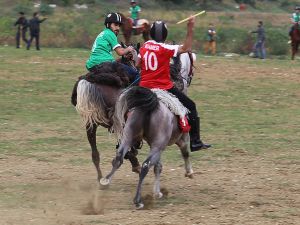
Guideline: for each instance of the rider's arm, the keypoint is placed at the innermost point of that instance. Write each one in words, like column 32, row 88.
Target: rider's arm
column 138, row 62
column 187, row 45
column 123, row 51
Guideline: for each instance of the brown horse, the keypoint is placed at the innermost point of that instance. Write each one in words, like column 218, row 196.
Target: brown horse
column 295, row 40
column 143, row 27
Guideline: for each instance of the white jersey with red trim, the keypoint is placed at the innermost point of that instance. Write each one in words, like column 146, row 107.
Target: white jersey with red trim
column 155, row 64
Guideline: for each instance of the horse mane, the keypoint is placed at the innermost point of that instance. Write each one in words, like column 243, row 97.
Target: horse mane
column 138, row 98
column 175, row 73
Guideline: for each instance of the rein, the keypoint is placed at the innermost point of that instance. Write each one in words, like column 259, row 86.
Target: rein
column 191, row 64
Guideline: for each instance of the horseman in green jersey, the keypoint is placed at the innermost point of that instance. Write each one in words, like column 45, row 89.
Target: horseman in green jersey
column 134, row 11
column 295, row 19
column 105, row 43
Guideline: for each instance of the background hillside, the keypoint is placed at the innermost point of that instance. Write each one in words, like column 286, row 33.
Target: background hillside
column 68, row 26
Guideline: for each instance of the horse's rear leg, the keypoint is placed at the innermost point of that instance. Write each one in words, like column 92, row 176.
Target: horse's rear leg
column 183, row 145
column 156, row 189
column 294, row 49
column 91, row 134
column 152, row 159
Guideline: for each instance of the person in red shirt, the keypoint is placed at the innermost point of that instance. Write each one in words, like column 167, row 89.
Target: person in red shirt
column 154, row 61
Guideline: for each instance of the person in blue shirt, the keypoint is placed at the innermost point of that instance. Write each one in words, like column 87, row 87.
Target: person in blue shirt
column 259, row 47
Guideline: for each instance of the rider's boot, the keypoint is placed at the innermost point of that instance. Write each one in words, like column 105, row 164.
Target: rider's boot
column 195, row 142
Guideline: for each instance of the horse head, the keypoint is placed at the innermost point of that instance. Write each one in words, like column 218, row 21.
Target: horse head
column 182, row 70
column 127, row 28
column 131, row 58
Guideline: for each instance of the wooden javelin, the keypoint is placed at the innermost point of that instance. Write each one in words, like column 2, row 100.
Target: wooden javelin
column 186, row 19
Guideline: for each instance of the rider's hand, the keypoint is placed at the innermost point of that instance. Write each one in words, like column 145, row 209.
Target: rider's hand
column 129, row 56
column 191, row 21
column 129, row 49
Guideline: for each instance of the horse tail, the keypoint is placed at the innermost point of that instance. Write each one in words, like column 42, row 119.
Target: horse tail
column 137, row 98
column 74, row 94
column 90, row 104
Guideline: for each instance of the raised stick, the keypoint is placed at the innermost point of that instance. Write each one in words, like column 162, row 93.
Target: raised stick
column 186, row 19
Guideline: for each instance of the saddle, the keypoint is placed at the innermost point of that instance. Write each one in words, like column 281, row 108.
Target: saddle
column 175, row 106
column 139, row 25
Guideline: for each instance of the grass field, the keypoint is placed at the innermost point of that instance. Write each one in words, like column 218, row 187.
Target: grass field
column 249, row 112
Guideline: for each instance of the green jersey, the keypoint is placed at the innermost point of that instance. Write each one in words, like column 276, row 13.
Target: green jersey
column 296, row 17
column 135, row 12
column 102, row 49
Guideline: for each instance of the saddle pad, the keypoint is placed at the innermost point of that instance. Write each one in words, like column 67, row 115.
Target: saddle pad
column 171, row 101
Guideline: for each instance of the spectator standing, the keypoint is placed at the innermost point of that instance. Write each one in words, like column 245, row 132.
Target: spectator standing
column 34, row 26
column 211, row 43
column 134, row 12
column 259, row 46
column 22, row 25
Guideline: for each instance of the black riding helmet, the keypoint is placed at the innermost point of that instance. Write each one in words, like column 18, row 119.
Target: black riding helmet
column 113, row 18
column 159, row 31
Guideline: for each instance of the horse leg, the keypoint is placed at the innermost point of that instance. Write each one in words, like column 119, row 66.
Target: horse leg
column 91, row 135
column 153, row 159
column 132, row 129
column 183, row 145
column 294, row 49
column 116, row 163
column 131, row 156
column 156, row 188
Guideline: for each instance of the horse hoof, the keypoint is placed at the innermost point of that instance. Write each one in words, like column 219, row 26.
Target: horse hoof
column 189, row 175
column 136, row 169
column 104, row 181
column 158, row 195
column 139, row 206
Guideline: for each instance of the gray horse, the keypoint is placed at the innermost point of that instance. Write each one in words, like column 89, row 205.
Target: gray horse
column 136, row 118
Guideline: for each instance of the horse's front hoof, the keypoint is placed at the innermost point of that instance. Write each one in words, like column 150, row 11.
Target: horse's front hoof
column 139, row 206
column 104, row 181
